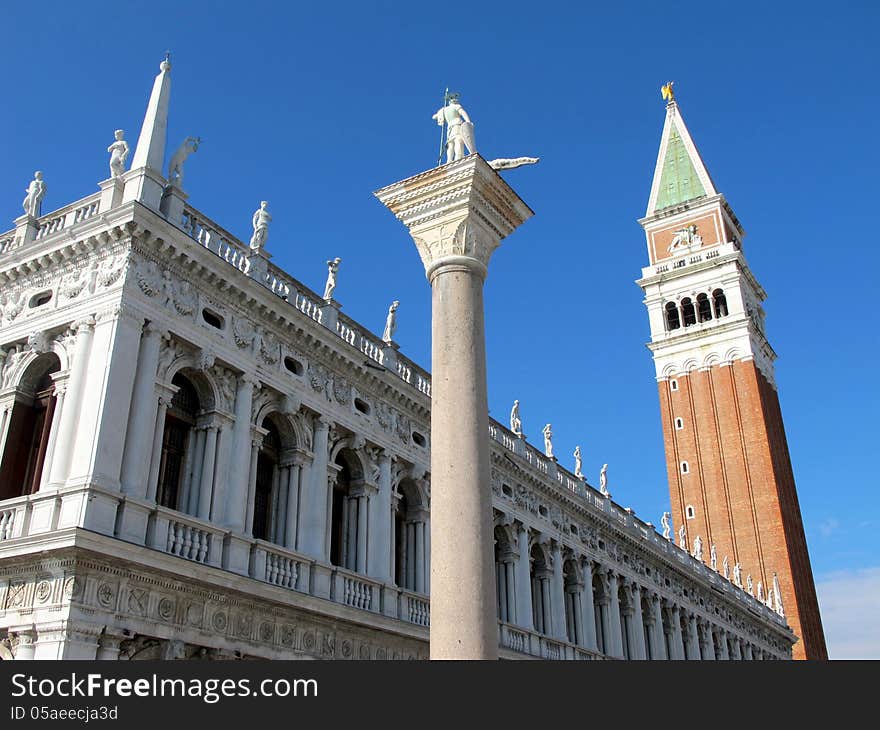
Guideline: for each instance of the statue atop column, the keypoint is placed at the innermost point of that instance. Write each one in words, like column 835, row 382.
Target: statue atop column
column 332, row 270
column 390, row 323
column 603, row 481
column 36, row 191
column 548, row 442
column 118, row 154
column 515, row 421
column 666, row 525
column 175, row 166
column 260, row 222
column 459, row 128
column 578, row 462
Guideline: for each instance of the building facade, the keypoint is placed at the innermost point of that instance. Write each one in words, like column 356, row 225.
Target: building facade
column 730, row 477
column 200, row 457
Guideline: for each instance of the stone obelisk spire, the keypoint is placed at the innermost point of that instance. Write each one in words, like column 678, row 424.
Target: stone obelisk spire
column 457, row 215
column 144, row 181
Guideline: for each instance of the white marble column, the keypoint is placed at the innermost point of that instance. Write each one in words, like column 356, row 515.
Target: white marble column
column 557, row 599
column 283, row 473
column 523, row 582
column 362, row 518
column 637, row 625
column 239, row 473
column 381, row 524
column 26, row 644
column 314, row 504
column 142, row 415
column 677, row 636
column 292, row 504
column 722, row 652
column 206, row 485
column 616, row 643
column 658, row 636
column 256, row 441
column 156, row 450
column 693, row 638
column 85, row 330
column 447, row 211
column 200, row 433
column 60, row 393
column 589, row 609
column 509, row 568
column 421, row 565
column 221, row 471
column 708, row 645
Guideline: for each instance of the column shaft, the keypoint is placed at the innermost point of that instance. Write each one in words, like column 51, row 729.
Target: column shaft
column 207, row 481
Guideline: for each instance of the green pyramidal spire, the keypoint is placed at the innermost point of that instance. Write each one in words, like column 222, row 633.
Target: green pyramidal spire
column 680, row 175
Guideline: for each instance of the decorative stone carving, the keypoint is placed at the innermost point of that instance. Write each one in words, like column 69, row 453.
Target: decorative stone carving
column 165, row 609
column 137, row 601
column 11, row 305
column 43, row 591
column 267, row 631
column 341, row 390
column 185, row 298
column 36, row 191
column 403, row 428
column 39, row 342
column 106, row 595
column 332, row 271
column 219, row 622
column 319, row 378
column 175, row 165
column 243, row 332
column 260, row 223
column 685, row 239
column 111, row 269
column 384, row 416
column 79, row 280
column 459, row 128
column 149, row 278
column 226, row 385
column 118, row 154
column 390, row 323
column 508, row 163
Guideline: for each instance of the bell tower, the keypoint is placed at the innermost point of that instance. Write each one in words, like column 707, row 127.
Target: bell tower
column 730, row 477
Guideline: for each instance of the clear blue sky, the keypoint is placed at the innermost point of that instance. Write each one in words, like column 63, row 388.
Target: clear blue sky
column 314, row 106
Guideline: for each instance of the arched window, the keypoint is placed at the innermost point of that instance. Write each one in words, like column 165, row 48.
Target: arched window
column 672, row 319
column 266, row 497
column 410, row 538
column 704, row 309
column 28, row 428
column 573, row 586
column 720, row 302
column 688, row 314
column 346, row 509
column 178, row 442
column 540, row 578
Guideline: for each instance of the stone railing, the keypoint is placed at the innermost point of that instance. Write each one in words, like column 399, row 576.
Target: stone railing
column 7, row 523
column 56, row 221
column 185, row 536
column 531, row 643
column 210, row 235
column 280, row 567
column 360, row 338
column 415, row 608
column 355, row 590
column 688, row 258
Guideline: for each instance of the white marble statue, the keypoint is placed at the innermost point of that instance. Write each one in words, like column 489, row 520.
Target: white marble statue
column 698, row 548
column 760, row 592
column 509, row 163
column 332, row 270
column 118, row 154
column 777, row 596
column 36, row 191
column 603, row 480
column 713, row 557
column 737, row 575
column 682, row 538
column 686, row 239
column 515, row 421
column 260, row 222
column 548, row 442
column 750, row 587
column 390, row 323
column 666, row 525
column 175, row 166
column 725, row 568
column 770, row 598
column 459, row 129
column 578, row 463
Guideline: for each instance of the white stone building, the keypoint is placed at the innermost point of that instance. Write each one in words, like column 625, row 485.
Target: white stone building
column 201, row 457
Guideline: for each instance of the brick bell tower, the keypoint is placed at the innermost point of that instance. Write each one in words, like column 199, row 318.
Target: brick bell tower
column 730, row 476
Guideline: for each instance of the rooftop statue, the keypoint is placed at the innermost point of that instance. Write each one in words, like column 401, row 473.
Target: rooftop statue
column 515, row 421
column 725, row 567
column 578, row 463
column 459, row 128
column 260, row 223
column 698, row 548
column 175, row 166
column 332, row 270
column 666, row 91
column 36, row 191
column 548, row 440
column 603, row 480
column 118, row 154
column 666, row 525
column 682, row 538
column 390, row 323
column 713, row 557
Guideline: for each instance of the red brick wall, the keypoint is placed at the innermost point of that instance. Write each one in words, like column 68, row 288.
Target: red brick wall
column 741, row 485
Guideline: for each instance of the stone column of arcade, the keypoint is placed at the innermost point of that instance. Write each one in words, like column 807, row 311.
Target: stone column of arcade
column 457, row 215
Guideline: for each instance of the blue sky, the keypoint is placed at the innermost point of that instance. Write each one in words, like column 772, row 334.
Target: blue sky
column 313, row 107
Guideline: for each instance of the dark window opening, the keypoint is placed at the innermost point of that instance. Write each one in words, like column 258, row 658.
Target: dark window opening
column 38, row 300
column 177, row 438
column 362, row 406
column 418, row 438
column 688, row 313
column 294, row 366
column 720, row 303
column 672, row 320
column 704, row 309
column 212, row 318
